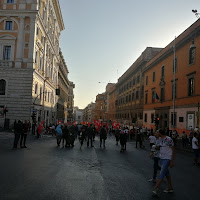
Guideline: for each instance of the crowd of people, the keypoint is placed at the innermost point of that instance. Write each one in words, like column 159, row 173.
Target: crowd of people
column 162, row 143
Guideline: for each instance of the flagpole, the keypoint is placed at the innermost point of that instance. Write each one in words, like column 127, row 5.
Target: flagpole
column 174, row 68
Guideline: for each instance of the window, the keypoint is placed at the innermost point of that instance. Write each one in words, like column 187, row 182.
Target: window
column 153, row 95
column 40, row 92
column 191, row 86
column 191, row 56
column 146, row 80
column 134, row 81
column 2, row 87
column 154, row 76
column 36, row 54
column 163, row 71
column 133, row 95
column 9, row 25
column 41, row 63
column 129, row 98
column 7, row 53
column 162, row 94
column 37, row 31
column 146, row 97
column 137, row 94
column 138, row 79
column 36, row 87
column 10, row 1
column 145, row 117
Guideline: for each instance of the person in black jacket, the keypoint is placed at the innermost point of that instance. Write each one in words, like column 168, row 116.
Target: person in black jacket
column 103, row 136
column 18, row 130
column 90, row 133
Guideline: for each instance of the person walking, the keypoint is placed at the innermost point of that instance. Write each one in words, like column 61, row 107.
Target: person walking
column 138, row 138
column 167, row 153
column 184, row 139
column 103, row 136
column 123, row 139
column 195, row 147
column 17, row 132
column 90, row 133
column 82, row 135
column 152, row 140
column 24, row 134
column 59, row 134
column 65, row 136
column 155, row 156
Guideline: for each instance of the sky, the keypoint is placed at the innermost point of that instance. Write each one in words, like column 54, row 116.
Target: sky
column 103, row 38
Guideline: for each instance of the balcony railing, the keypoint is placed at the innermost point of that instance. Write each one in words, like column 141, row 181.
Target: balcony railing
column 6, row 63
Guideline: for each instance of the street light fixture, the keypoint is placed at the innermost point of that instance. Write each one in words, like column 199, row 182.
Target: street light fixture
column 196, row 13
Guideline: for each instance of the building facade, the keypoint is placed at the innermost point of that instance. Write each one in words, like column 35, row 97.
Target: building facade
column 130, row 89
column 29, row 58
column 78, row 115
column 63, row 88
column 112, row 103
column 171, row 89
column 99, row 113
column 70, row 104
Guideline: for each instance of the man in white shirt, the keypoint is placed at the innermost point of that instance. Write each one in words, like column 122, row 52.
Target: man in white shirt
column 195, row 147
column 166, row 146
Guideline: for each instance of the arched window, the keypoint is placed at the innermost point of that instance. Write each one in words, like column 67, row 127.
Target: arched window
column 2, row 87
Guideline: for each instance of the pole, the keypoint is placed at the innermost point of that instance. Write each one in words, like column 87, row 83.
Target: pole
column 174, row 82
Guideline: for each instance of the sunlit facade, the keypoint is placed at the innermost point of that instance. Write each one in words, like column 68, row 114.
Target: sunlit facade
column 29, row 57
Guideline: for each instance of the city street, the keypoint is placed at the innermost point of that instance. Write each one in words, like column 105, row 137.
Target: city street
column 44, row 171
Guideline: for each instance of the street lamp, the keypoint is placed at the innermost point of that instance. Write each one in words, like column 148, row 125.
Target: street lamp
column 174, row 82
column 196, row 13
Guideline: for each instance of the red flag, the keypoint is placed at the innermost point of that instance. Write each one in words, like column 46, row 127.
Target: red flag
column 40, row 127
column 74, row 123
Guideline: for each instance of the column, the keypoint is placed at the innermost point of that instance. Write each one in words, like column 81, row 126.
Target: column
column 20, row 43
column 31, row 42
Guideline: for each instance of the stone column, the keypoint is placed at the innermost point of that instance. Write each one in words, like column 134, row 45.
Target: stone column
column 20, row 43
column 31, row 42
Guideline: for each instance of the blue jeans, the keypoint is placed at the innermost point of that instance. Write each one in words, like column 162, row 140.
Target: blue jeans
column 164, row 168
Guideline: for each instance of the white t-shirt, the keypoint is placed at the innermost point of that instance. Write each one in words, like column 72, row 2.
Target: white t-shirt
column 165, row 147
column 194, row 146
column 152, row 139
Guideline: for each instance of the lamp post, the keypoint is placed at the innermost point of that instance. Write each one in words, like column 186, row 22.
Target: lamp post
column 174, row 82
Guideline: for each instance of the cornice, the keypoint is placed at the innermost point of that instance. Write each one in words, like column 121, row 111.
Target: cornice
column 186, row 36
column 20, row 12
column 58, row 14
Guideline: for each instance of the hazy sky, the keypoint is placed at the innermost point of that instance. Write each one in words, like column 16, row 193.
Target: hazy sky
column 102, row 38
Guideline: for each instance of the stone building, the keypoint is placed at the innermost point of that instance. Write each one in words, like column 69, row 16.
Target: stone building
column 99, row 112
column 130, row 89
column 160, row 75
column 70, row 104
column 89, row 112
column 63, row 90
column 112, row 103
column 109, row 88
column 78, row 114
column 29, row 58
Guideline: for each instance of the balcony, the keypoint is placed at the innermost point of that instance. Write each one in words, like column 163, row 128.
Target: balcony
column 6, row 63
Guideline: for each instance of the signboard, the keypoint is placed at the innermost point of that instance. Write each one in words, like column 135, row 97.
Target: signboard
column 190, row 121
